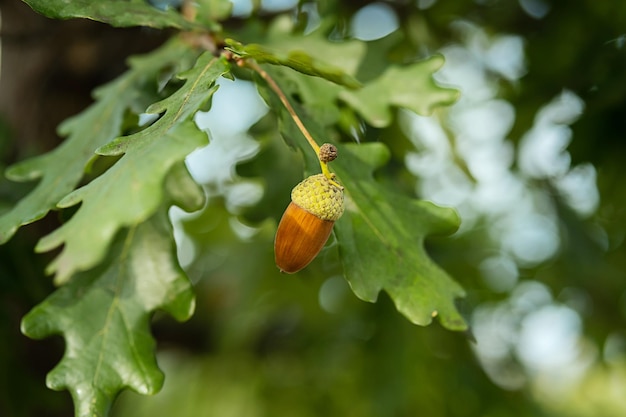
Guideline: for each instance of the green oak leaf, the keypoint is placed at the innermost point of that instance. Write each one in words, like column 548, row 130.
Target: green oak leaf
column 320, row 96
column 312, row 54
column 118, row 13
column 61, row 169
column 210, row 11
column 126, row 194
column 310, row 112
column 183, row 190
column 411, row 87
column 381, row 241
column 129, row 192
column 104, row 316
column 296, row 59
column 180, row 106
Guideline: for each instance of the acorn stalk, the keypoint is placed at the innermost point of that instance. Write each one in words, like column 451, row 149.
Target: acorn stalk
column 316, row 203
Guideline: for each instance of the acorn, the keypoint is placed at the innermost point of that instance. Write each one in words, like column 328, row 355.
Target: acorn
column 327, row 153
column 316, row 203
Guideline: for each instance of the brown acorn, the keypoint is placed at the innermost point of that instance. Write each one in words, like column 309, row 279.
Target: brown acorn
column 316, row 203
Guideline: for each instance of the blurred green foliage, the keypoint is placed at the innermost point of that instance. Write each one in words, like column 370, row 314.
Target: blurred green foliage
column 263, row 344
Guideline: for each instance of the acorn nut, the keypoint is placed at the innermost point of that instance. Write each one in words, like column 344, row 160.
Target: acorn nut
column 316, row 203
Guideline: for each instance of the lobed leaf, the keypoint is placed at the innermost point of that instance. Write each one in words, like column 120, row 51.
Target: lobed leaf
column 312, row 54
column 61, row 169
column 183, row 190
column 131, row 190
column 320, row 96
column 104, row 316
column 381, row 242
column 118, row 13
column 210, row 11
column 411, row 87
column 181, row 106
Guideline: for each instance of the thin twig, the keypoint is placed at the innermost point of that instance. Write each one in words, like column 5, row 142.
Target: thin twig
column 316, row 148
column 270, row 81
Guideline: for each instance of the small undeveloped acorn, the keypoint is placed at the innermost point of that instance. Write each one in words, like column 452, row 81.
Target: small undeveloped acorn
column 327, row 152
column 316, row 203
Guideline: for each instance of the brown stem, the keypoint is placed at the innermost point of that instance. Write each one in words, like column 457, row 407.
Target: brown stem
column 270, row 81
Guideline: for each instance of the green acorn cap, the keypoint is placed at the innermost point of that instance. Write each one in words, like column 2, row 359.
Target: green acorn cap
column 320, row 197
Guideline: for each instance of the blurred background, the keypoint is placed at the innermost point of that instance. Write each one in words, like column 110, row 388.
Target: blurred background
column 532, row 157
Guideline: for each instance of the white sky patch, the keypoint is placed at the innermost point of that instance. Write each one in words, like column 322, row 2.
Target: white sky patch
column 236, row 106
column 499, row 272
column 185, row 247
column 374, row 21
column 241, row 8
column 484, row 121
column 535, row 8
column 542, row 152
column 506, row 56
column 531, row 239
column 546, row 337
column 464, row 158
column 274, row 6
column 578, row 188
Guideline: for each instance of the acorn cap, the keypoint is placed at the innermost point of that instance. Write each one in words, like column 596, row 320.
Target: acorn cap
column 320, row 197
